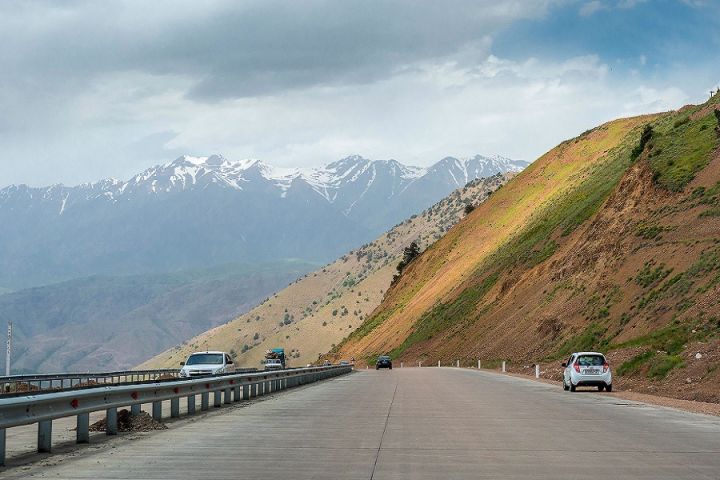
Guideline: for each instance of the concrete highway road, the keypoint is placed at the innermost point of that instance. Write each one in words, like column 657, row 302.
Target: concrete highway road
column 411, row 423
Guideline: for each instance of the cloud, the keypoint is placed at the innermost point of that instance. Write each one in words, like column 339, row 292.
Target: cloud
column 592, row 7
column 94, row 89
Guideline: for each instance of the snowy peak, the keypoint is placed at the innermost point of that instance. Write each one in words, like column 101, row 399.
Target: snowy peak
column 349, row 183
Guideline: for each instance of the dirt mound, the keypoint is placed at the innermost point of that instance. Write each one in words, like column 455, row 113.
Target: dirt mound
column 130, row 423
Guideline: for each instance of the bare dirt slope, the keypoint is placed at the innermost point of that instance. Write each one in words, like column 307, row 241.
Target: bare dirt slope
column 607, row 242
column 313, row 314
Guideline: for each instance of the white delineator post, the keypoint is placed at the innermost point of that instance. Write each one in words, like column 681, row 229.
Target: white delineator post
column 438, row 363
column 8, row 351
column 537, row 371
column 401, row 364
column 478, row 364
column 503, row 367
column 457, row 363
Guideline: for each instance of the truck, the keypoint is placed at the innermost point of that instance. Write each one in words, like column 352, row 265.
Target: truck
column 275, row 359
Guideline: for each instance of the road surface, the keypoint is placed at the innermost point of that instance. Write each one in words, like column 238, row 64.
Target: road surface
column 412, row 423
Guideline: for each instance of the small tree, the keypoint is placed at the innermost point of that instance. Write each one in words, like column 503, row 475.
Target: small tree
column 469, row 208
column 409, row 254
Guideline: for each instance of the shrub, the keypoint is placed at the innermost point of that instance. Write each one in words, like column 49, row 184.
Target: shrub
column 645, row 137
column 409, row 254
column 662, row 367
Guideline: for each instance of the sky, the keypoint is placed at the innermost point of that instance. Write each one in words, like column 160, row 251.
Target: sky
column 91, row 90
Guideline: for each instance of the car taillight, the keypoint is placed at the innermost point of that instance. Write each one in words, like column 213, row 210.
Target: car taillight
column 606, row 367
column 577, row 367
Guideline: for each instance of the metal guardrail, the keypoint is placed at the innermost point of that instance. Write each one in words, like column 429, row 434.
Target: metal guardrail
column 43, row 409
column 52, row 382
column 60, row 381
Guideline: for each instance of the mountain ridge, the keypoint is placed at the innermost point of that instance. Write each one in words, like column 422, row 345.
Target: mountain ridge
column 195, row 212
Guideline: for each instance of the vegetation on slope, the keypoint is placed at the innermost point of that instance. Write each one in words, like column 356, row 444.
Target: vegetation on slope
column 311, row 315
column 620, row 252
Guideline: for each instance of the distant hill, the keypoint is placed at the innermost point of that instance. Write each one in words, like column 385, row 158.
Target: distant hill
column 325, row 306
column 610, row 241
column 196, row 212
column 100, row 322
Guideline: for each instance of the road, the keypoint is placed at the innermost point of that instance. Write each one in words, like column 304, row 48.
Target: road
column 411, row 423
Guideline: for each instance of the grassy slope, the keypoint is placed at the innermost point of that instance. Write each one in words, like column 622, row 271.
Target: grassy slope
column 571, row 254
column 308, row 317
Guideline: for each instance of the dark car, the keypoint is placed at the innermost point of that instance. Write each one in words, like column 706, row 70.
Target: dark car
column 383, row 361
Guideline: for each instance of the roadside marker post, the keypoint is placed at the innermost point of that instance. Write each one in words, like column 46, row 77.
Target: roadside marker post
column 503, row 366
column 537, row 371
column 478, row 364
column 438, row 363
column 401, row 364
column 457, row 363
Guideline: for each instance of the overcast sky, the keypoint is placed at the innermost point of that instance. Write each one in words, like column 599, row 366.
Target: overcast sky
column 94, row 89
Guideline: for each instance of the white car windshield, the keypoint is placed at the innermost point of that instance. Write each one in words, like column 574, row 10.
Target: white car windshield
column 205, row 359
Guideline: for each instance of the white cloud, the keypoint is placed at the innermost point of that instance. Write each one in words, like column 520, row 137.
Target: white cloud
column 589, row 8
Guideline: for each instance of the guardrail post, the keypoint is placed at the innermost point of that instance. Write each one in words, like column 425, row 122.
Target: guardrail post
column 503, row 366
column 245, row 392
column 254, row 388
column 537, row 371
column 2, row 447
column 83, row 428
column 191, row 404
column 204, row 400
column 175, row 407
column 236, row 394
column 135, row 409
column 44, row 436
column 228, row 395
column 217, row 398
column 111, row 422
column 157, row 411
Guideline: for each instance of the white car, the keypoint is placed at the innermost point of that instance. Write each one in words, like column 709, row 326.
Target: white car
column 273, row 364
column 206, row 363
column 587, row 369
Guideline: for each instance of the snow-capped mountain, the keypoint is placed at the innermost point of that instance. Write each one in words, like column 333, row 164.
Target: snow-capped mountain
column 196, row 211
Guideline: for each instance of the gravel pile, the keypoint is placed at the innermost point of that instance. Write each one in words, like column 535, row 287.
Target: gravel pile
column 130, row 423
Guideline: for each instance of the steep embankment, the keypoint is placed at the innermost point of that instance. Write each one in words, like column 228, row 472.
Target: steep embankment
column 313, row 314
column 606, row 242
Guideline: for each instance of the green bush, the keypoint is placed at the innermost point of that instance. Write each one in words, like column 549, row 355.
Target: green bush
column 663, row 365
column 635, row 363
column 645, row 137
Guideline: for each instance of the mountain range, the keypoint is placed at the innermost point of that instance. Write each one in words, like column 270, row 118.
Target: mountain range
column 185, row 246
column 320, row 309
column 196, row 212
